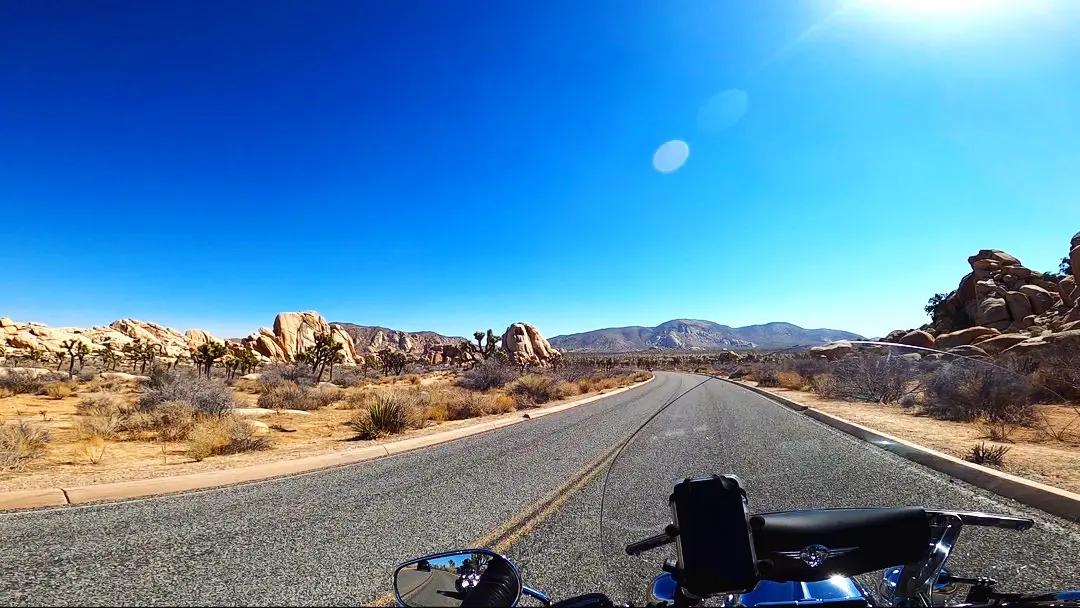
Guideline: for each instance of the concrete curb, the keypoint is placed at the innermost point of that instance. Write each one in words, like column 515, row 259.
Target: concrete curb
column 144, row 488
column 1052, row 500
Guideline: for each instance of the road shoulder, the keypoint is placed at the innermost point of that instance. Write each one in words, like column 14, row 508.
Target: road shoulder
column 1040, row 496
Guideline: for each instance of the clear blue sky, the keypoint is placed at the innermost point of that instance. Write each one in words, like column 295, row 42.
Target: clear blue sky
column 459, row 165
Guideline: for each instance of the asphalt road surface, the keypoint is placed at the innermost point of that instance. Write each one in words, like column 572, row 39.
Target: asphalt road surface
column 531, row 490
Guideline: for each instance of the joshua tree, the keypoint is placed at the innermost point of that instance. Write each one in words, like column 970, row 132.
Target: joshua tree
column 485, row 350
column 206, row 355
column 325, row 352
column 392, row 361
column 239, row 360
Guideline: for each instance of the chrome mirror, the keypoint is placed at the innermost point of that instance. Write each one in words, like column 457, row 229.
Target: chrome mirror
column 469, row 577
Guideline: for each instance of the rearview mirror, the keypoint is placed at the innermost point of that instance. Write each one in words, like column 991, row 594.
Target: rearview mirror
column 447, row 579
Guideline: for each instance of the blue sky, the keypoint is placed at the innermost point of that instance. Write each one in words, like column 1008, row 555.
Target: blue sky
column 456, row 166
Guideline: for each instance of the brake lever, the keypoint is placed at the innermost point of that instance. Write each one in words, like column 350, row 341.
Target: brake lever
column 659, row 540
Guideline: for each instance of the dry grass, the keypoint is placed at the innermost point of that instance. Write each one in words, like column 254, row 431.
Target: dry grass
column 222, row 435
column 288, row 395
column 58, row 390
column 20, row 443
column 6, row 392
column 791, row 380
column 92, row 450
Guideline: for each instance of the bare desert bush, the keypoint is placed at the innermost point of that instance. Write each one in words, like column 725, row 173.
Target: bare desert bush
column 808, row 367
column 273, row 376
column 97, row 403
column 993, row 455
column 964, row 392
column 389, row 413
column 168, row 421
column 534, row 390
column 574, row 371
column 869, row 377
column 223, row 435
column 86, row 375
column 106, row 384
column 105, row 424
column 58, row 390
column 211, row 397
column 288, row 395
column 791, row 380
column 1060, row 376
column 354, row 376
column 20, row 443
column 469, row 405
column 24, row 382
column 486, row 376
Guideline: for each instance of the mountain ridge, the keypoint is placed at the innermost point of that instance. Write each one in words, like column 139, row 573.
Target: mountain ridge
column 697, row 334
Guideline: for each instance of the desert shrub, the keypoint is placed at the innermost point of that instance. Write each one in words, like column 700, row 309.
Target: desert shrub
column 222, row 435
column 97, row 404
column 20, row 443
column 86, row 375
column 290, row 396
column 170, row 421
column 585, row 385
column 23, row 382
column 467, row 405
column 963, row 392
column 790, row 380
column 993, row 455
column 808, row 367
column 57, row 390
column 437, row 413
column 739, row 372
column 502, row 404
column 388, row 414
column 271, row 377
column 486, row 376
column 349, row 377
column 574, row 371
column 357, row 400
column 568, row 389
column 998, row 430
column 908, row 400
column 1060, row 375
column 534, row 390
column 640, row 376
column 869, row 377
column 768, row 376
column 99, row 384
column 5, row 393
column 411, row 379
column 208, row 396
column 105, row 424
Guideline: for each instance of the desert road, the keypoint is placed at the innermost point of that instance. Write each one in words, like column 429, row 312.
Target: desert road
column 532, row 491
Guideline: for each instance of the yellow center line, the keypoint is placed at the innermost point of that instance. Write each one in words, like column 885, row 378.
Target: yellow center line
column 504, row 536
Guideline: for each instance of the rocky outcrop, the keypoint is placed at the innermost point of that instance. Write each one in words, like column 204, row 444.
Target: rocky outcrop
column 525, row 346
column 963, row 337
column 1003, row 308
column 918, row 338
column 197, row 337
column 835, row 350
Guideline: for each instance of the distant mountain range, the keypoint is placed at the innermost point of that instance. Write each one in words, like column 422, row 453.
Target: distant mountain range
column 691, row 334
column 371, row 339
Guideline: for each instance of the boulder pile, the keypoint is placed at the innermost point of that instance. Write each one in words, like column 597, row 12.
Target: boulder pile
column 1002, row 307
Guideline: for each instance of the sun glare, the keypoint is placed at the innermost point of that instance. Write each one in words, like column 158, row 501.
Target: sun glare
column 934, row 6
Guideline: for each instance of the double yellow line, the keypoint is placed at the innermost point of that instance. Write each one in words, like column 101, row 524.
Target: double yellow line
column 503, row 537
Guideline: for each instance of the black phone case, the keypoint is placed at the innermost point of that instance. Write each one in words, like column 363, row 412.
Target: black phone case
column 715, row 545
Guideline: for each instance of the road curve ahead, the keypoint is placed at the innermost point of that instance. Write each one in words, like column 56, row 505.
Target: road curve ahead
column 532, row 490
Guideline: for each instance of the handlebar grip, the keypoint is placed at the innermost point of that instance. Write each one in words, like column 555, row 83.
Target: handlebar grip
column 648, row 544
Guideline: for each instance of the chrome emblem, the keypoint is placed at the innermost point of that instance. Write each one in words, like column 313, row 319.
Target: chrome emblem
column 815, row 555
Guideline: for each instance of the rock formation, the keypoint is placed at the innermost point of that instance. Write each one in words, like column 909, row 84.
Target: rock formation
column 292, row 333
column 1003, row 308
column 525, row 346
